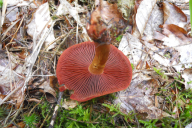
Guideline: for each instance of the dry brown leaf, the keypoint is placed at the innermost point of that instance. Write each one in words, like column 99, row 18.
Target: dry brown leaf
column 174, row 15
column 21, row 124
column 171, row 30
column 18, row 97
column 2, row 96
column 53, row 81
column 176, row 110
column 177, row 40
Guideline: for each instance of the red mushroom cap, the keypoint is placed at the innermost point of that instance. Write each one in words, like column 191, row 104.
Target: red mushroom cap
column 72, row 70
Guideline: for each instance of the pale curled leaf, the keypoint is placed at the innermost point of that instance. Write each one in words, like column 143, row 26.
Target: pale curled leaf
column 143, row 13
column 37, row 86
column 39, row 25
column 177, row 40
column 2, row 18
column 131, row 46
column 13, row 13
column 50, row 93
column 67, row 104
column 153, row 23
column 189, row 125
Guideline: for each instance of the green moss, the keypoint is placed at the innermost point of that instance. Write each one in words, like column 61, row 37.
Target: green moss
column 1, row 3
column 190, row 8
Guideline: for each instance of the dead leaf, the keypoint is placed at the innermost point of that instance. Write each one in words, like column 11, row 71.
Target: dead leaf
column 177, row 36
column 53, row 81
column 66, row 8
column 68, row 104
column 38, row 86
column 131, row 47
column 13, row 15
column 174, row 15
column 140, row 96
column 50, row 93
column 39, row 25
column 143, row 13
column 189, row 125
column 153, row 23
column 21, row 124
column 18, row 97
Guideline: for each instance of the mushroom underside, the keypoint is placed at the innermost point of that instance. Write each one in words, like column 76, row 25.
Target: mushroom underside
column 72, row 70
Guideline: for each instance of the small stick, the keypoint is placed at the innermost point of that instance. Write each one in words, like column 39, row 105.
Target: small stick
column 56, row 110
column 17, row 30
column 46, row 117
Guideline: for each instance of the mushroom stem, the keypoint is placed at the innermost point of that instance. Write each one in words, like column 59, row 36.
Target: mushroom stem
column 101, row 55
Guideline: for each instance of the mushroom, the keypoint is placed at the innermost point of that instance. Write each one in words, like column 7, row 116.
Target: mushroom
column 93, row 69
column 90, row 76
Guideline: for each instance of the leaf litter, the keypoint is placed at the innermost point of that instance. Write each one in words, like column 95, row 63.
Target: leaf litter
column 171, row 52
column 27, row 63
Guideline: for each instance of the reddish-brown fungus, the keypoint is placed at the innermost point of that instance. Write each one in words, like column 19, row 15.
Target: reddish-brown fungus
column 73, row 71
column 93, row 69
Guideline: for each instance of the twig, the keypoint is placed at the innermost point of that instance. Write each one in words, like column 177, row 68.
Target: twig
column 34, row 108
column 180, row 81
column 46, row 117
column 177, row 107
column 17, row 30
column 8, row 115
column 77, row 23
column 15, row 115
column 56, row 110
column 62, row 42
column 58, row 38
column 10, row 67
column 9, row 28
